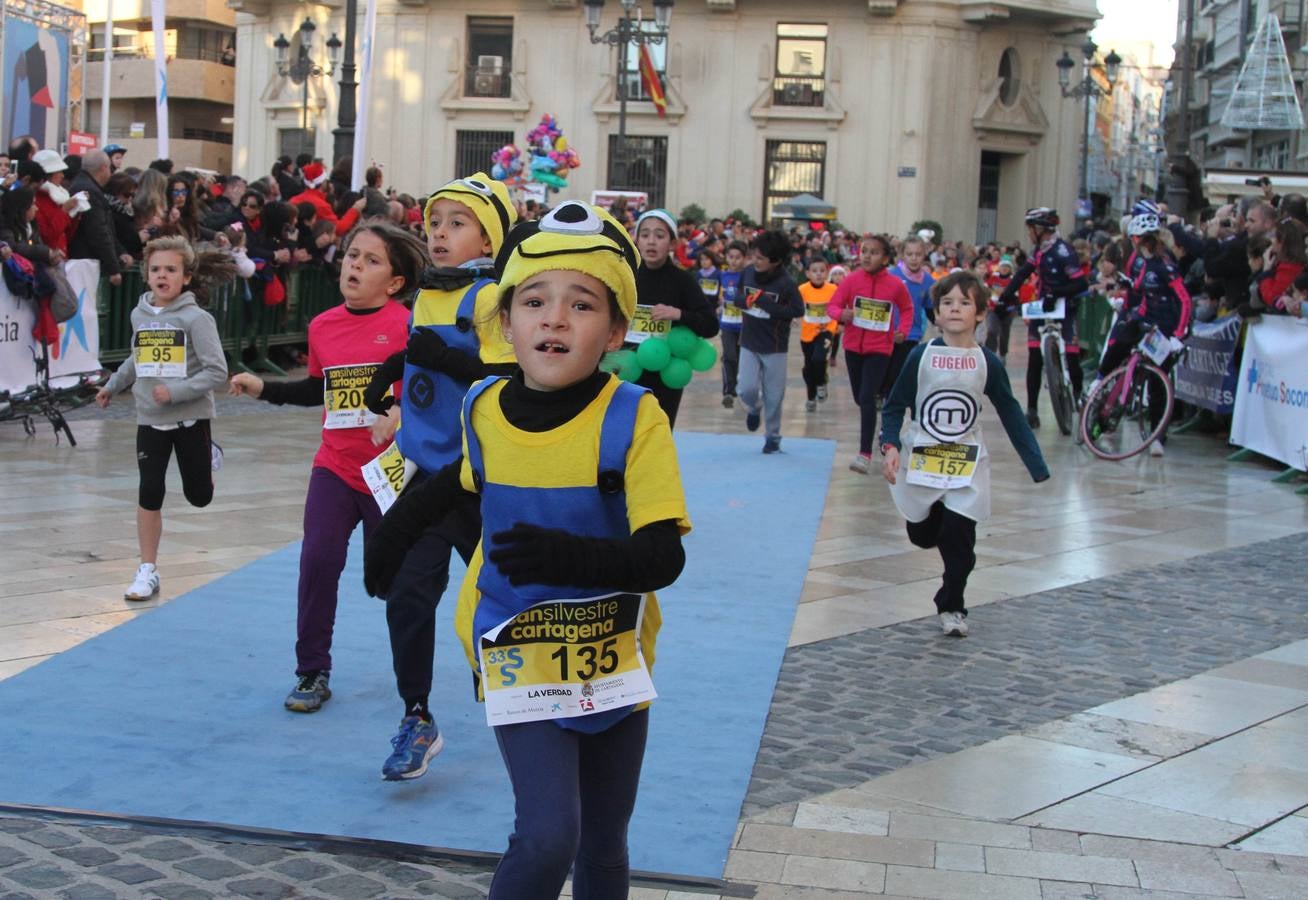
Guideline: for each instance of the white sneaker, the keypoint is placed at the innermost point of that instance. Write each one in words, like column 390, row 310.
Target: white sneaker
column 215, row 456
column 1156, row 449
column 953, row 624
column 1092, row 386
column 145, row 585
column 822, row 392
column 861, row 464
column 810, row 405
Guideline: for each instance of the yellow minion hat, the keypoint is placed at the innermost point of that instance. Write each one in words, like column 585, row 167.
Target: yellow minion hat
column 487, row 198
column 578, row 237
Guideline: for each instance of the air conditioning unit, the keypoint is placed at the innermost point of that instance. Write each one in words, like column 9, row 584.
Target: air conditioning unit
column 797, row 94
column 487, row 84
column 490, row 65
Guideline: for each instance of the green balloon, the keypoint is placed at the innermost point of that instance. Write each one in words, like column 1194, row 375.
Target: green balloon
column 676, row 374
column 631, row 370
column 653, row 354
column 704, row 356
column 682, row 341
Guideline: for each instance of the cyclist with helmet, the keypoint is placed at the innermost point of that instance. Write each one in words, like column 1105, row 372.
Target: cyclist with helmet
column 1156, row 298
column 1061, row 276
column 115, row 152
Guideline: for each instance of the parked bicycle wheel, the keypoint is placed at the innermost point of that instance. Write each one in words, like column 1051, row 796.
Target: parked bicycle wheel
column 76, row 390
column 1060, row 393
column 1121, row 419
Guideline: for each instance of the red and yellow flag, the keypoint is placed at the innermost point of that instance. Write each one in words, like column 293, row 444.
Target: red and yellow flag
column 649, row 77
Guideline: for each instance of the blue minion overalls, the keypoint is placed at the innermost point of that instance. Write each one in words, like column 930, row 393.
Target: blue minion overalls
column 592, row 510
column 429, row 436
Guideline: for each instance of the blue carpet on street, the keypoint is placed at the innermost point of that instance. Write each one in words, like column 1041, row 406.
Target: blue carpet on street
column 178, row 713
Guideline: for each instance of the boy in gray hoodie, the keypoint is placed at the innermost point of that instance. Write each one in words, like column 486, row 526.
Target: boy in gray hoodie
column 176, row 363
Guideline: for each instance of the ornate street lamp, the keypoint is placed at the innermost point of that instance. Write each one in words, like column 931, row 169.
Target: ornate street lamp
column 629, row 30
column 303, row 67
column 1087, row 89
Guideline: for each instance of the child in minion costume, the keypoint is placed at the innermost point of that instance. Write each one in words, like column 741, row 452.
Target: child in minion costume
column 580, row 498
column 454, row 340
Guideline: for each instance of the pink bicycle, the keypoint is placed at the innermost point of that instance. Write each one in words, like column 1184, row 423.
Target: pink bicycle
column 1131, row 407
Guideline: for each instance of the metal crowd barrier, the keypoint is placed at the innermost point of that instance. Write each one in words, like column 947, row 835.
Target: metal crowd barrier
column 243, row 320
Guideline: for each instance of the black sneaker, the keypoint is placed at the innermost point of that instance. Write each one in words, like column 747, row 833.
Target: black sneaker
column 772, row 445
column 728, row 400
column 752, row 421
column 1032, row 417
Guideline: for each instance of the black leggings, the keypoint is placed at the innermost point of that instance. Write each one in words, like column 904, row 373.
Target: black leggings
column 194, row 462
column 866, row 372
column 815, row 362
column 954, row 536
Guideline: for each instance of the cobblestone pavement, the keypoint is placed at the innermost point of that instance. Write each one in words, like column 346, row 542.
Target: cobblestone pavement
column 858, row 706
column 54, row 859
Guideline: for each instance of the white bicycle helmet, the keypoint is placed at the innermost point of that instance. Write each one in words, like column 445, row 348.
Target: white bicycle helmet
column 1144, row 223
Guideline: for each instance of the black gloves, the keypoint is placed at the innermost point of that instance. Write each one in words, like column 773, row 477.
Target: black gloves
column 390, row 541
column 529, row 554
column 427, row 349
column 1008, row 299
column 1049, row 304
column 389, row 372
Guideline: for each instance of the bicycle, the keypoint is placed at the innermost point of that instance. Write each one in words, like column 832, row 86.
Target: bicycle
column 50, row 403
column 1131, row 407
column 1052, row 345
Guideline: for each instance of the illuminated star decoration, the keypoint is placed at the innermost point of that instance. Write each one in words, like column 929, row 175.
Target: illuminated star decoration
column 75, row 326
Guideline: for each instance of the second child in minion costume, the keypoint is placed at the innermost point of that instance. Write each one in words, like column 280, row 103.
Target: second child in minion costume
column 454, row 340
column 580, row 498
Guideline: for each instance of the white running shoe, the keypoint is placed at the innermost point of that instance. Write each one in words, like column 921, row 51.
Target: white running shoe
column 810, row 405
column 145, row 585
column 953, row 624
column 861, row 464
column 822, row 392
column 215, row 456
column 1090, row 388
column 1156, row 449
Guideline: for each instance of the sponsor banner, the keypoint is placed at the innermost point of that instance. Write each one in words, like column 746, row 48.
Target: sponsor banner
column 1271, row 401
column 78, row 346
column 1206, row 374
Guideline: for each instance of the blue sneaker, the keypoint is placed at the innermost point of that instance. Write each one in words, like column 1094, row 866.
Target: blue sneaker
column 311, row 691
column 752, row 421
column 415, row 745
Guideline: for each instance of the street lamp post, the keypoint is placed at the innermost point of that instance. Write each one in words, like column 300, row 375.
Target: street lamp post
column 346, row 110
column 629, row 30
column 1086, row 89
column 303, row 67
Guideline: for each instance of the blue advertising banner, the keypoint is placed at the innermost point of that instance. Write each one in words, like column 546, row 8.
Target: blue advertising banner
column 35, row 82
column 1206, row 375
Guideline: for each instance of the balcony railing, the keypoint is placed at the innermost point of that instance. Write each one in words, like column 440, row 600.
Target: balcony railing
column 798, row 90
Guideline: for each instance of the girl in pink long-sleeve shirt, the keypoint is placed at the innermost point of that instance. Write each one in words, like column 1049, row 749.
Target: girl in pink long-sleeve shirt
column 877, row 312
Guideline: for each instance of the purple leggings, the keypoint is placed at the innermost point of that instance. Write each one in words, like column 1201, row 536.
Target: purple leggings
column 331, row 511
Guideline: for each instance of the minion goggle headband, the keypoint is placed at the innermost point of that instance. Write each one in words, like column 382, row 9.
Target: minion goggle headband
column 555, row 223
column 476, row 188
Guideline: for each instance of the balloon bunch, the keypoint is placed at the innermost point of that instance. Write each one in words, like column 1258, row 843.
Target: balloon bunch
column 676, row 358
column 506, row 164
column 551, row 156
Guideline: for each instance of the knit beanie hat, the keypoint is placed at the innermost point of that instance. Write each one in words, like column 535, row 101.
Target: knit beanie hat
column 1006, row 261
column 577, row 237
column 314, row 174
column 663, row 216
column 486, row 198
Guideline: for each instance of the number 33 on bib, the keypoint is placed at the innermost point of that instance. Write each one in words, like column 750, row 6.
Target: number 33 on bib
column 560, row 659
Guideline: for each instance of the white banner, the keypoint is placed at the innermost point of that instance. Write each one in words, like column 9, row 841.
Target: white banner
column 1271, row 399
column 78, row 347
column 160, row 77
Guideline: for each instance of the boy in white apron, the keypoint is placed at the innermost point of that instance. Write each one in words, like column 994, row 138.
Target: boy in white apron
column 940, row 475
